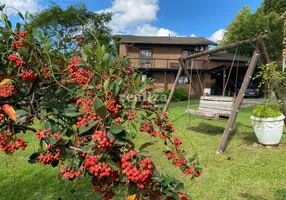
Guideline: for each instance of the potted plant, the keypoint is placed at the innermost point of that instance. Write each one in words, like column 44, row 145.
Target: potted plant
column 267, row 119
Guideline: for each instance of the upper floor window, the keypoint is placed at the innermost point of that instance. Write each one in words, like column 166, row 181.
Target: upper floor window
column 187, row 52
column 145, row 57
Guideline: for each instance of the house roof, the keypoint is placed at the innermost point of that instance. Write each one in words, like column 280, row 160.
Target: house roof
column 228, row 57
column 165, row 40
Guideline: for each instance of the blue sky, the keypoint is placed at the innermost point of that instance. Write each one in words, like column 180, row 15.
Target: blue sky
column 206, row 18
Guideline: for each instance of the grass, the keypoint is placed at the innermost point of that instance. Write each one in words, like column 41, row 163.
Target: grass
column 245, row 171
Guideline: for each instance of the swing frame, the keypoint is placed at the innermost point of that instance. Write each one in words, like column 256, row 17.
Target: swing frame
column 231, row 121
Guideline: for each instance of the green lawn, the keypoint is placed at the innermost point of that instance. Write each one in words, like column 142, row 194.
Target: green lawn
column 245, row 171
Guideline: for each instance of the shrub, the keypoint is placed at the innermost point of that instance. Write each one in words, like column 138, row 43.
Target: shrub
column 180, row 94
column 80, row 108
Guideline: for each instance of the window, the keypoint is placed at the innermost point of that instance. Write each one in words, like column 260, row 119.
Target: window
column 145, row 57
column 188, row 52
column 183, row 79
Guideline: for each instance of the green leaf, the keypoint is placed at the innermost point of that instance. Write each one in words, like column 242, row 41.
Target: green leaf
column 123, row 178
column 27, row 14
column 72, row 112
column 83, row 64
column 145, row 145
column 51, row 140
column 112, row 164
column 91, row 124
column 33, row 158
column 21, row 112
column 193, row 157
column 180, row 186
column 97, row 103
column 21, row 15
column 116, row 129
column 24, row 53
column 101, row 111
column 126, row 135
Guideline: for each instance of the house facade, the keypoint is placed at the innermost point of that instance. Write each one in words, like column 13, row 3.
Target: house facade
column 157, row 57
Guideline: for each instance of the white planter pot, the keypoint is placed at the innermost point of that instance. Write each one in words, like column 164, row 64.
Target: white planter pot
column 207, row 91
column 268, row 130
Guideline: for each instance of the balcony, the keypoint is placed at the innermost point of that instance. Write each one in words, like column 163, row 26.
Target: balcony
column 155, row 63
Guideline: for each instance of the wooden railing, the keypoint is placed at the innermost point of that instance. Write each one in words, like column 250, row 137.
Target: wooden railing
column 155, row 63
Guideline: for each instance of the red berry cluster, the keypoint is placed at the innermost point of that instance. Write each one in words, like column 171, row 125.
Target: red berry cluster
column 129, row 69
column 102, row 141
column 19, row 39
column 85, row 118
column 77, row 74
column 168, row 126
column 189, row 170
column 171, row 155
column 52, row 155
column 7, row 90
column 68, row 173
column 57, row 136
column 138, row 173
column 113, row 108
column 45, row 72
column 179, row 162
column 86, row 104
column 28, row 75
column 150, row 87
column 9, row 143
column 146, row 127
column 131, row 115
column 183, row 197
column 177, row 142
column 16, row 59
column 43, row 134
column 104, row 75
column 98, row 169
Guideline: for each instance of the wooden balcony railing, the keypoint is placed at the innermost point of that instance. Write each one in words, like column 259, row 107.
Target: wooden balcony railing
column 155, row 63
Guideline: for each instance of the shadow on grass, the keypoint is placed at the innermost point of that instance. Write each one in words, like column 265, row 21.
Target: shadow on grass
column 250, row 138
column 207, row 128
column 280, row 194
column 252, row 197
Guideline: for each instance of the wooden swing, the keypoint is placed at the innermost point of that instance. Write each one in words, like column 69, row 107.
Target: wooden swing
column 238, row 101
column 213, row 107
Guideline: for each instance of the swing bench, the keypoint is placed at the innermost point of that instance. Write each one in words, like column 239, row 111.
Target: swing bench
column 213, row 107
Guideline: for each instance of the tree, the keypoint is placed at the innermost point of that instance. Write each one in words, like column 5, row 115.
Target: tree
column 64, row 25
column 85, row 110
column 247, row 25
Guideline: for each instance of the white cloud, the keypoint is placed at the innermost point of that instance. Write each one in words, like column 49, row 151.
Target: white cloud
column 149, row 30
column 135, row 17
column 218, row 35
column 193, row 35
column 21, row 5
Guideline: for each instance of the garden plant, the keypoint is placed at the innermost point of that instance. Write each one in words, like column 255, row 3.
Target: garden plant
column 85, row 108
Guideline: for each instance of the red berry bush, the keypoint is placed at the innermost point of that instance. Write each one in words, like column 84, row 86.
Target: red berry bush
column 84, row 104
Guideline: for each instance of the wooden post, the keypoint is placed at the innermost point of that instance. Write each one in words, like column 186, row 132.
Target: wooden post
column 266, row 60
column 237, row 104
column 165, row 81
column 173, row 89
column 223, row 82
